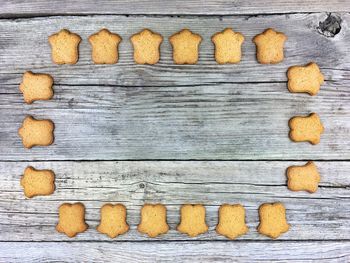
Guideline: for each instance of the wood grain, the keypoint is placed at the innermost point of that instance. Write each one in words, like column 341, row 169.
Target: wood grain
column 209, row 7
column 249, row 252
column 227, row 121
column 22, row 50
column 320, row 216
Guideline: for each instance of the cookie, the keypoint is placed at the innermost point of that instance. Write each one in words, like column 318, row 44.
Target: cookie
column 273, row 220
column 36, row 87
column 231, row 221
column 306, row 128
column 269, row 45
column 303, row 178
column 71, row 219
column 36, row 132
column 185, row 47
column 192, row 220
column 113, row 220
column 305, row 79
column 37, row 182
column 228, row 46
column 153, row 220
column 105, row 47
column 146, row 47
column 64, row 47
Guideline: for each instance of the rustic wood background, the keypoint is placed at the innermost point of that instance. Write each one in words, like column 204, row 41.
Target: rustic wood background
column 176, row 134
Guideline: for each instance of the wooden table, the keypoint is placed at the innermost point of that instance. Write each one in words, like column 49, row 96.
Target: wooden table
column 175, row 134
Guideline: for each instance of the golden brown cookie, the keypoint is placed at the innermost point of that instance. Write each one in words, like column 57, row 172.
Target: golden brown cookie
column 71, row 219
column 36, row 87
column 269, row 45
column 228, row 46
column 306, row 128
column 64, row 47
column 273, row 220
column 231, row 221
column 113, row 220
column 36, row 132
column 303, row 178
column 37, row 182
column 185, row 47
column 192, row 220
column 146, row 47
column 305, row 79
column 105, row 47
column 153, row 220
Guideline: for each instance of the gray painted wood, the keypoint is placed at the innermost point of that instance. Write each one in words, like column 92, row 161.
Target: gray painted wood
column 176, row 7
column 176, row 252
column 166, row 111
column 227, row 121
column 24, row 49
column 321, row 216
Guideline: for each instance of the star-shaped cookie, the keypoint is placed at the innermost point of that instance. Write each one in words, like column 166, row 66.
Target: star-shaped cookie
column 228, row 46
column 36, row 132
column 153, row 220
column 192, row 220
column 64, row 47
column 146, row 47
column 303, row 178
column 273, row 220
column 185, row 47
column 306, row 79
column 36, row 87
column 306, row 128
column 113, row 220
column 269, row 45
column 37, row 182
column 71, row 219
column 231, row 221
column 105, row 47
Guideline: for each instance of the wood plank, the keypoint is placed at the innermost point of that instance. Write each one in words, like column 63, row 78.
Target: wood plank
column 227, row 121
column 321, row 216
column 176, row 7
column 22, row 50
column 176, row 252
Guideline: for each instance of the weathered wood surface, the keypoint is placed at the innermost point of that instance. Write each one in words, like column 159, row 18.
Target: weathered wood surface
column 176, row 7
column 167, row 111
column 24, row 46
column 227, row 121
column 321, row 216
column 202, row 111
column 249, row 252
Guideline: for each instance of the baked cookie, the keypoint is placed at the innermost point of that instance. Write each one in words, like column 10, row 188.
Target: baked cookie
column 185, row 47
column 146, row 47
column 231, row 221
column 64, row 47
column 306, row 128
column 153, row 220
column 105, row 47
column 269, row 45
column 228, row 46
column 36, row 87
column 71, row 219
column 36, row 132
column 192, row 220
column 37, row 182
column 303, row 178
column 273, row 220
column 305, row 79
column 113, row 220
